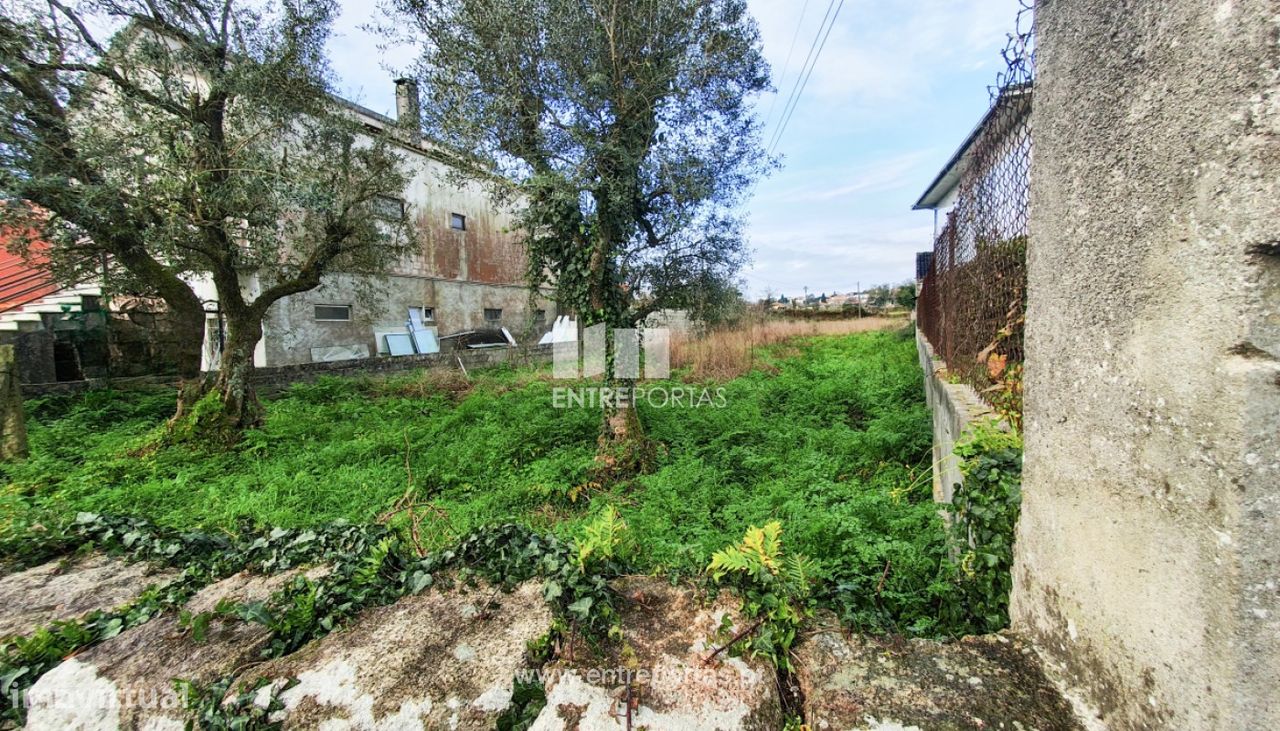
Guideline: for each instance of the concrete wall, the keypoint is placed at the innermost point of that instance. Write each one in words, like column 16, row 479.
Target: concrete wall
column 1148, row 558
column 273, row 380
column 291, row 329
column 955, row 407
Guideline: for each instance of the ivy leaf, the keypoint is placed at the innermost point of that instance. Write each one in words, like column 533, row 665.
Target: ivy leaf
column 420, row 580
column 582, row 607
column 552, row 591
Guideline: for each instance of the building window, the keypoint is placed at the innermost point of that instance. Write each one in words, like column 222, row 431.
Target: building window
column 492, row 315
column 333, row 313
column 425, row 315
column 458, row 222
column 539, row 317
column 389, row 207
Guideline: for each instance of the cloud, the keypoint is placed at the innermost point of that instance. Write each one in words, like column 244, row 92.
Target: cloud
column 875, row 177
column 827, row 257
column 879, row 51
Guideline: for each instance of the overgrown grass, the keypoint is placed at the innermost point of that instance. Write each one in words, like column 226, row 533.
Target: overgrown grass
column 832, row 439
column 733, row 352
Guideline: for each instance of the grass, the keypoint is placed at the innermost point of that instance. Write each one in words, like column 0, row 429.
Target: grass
column 830, row 436
column 726, row 354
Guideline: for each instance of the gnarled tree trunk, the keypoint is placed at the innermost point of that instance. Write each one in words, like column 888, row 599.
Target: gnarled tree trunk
column 240, row 406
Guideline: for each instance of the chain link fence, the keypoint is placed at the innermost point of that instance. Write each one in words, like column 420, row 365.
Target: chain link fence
column 973, row 298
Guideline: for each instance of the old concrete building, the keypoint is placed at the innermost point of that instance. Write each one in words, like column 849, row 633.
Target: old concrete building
column 1147, row 563
column 467, row 273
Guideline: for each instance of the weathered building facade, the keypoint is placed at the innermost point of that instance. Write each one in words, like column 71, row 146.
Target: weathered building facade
column 468, row 271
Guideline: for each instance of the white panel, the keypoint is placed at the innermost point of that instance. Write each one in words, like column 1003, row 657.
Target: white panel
column 399, row 343
column 657, row 353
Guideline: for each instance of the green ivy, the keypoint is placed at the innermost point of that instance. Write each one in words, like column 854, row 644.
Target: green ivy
column 203, row 558
column 369, row 566
column 984, row 514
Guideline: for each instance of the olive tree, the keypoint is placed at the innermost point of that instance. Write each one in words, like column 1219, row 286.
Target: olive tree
column 179, row 139
column 626, row 126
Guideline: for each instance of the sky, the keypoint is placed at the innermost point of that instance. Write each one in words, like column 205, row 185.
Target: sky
column 897, row 88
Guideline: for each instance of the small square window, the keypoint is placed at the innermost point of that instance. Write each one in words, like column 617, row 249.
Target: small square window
column 457, row 222
column 422, row 314
column 492, row 315
column 389, row 207
column 333, row 313
column 539, row 317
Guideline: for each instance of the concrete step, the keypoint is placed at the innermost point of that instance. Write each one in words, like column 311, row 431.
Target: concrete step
column 142, row 663
column 51, row 308
column 851, row 681
column 21, row 316
column 63, row 591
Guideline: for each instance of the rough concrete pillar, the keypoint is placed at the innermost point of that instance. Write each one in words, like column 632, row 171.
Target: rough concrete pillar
column 1148, row 558
column 13, row 424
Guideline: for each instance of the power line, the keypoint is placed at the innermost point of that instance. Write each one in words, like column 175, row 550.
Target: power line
column 804, row 82
column 799, row 77
column 794, row 37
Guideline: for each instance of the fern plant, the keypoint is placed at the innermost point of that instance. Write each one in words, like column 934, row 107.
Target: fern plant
column 601, row 538
column 775, row 587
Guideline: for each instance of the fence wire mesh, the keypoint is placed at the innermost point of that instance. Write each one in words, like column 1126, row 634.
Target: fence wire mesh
column 973, row 298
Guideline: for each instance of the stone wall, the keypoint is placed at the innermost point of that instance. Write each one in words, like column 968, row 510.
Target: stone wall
column 1147, row 566
column 272, row 380
column 955, row 406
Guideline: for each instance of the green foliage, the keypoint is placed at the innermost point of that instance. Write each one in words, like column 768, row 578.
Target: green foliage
column 209, row 709
column 984, row 512
column 202, row 557
column 204, row 425
column 627, row 132
column 527, row 701
column 833, row 441
column 601, row 537
column 775, row 587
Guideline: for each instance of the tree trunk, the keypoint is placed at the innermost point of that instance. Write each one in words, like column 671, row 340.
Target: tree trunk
column 13, row 424
column 240, row 406
column 186, row 313
column 216, row 411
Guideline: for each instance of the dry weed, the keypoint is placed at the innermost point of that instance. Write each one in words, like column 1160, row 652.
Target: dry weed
column 726, row 354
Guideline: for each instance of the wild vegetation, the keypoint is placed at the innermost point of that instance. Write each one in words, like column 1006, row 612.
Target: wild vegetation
column 809, row 488
column 831, row 439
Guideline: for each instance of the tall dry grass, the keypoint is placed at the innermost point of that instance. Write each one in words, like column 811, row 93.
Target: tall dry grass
column 725, row 354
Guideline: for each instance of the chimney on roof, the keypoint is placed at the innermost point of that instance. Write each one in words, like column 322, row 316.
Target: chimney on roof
column 407, row 110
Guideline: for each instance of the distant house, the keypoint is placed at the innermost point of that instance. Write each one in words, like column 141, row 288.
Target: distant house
column 468, row 273
column 991, row 164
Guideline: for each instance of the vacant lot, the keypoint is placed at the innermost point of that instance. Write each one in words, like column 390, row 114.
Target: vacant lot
column 829, row 435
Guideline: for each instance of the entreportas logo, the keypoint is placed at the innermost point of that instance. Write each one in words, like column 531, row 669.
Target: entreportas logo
column 638, row 355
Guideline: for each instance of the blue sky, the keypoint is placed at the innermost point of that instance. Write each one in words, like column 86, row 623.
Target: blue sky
column 898, row 86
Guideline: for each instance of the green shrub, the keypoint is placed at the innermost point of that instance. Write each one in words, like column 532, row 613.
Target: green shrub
column 984, row 515
column 775, row 586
